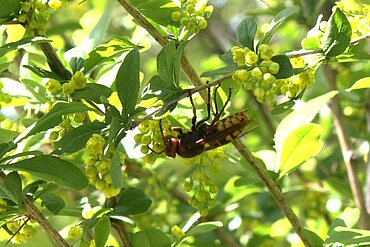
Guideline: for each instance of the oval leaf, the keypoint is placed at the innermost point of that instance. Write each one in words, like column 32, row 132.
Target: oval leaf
column 338, row 33
column 300, row 145
column 286, row 68
column 132, row 201
column 102, row 231
column 204, row 228
column 299, row 117
column 277, row 21
column 127, row 81
column 107, row 51
column 75, row 139
column 13, row 184
column 246, row 31
column 151, row 238
column 53, row 203
column 360, row 84
column 93, row 92
column 53, row 169
column 54, row 116
column 166, row 63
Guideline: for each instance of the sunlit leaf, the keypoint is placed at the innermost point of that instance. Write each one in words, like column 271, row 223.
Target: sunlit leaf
column 360, row 84
column 300, row 145
column 205, row 227
column 151, row 238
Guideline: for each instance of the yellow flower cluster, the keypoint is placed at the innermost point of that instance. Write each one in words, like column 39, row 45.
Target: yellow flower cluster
column 98, row 167
column 193, row 15
column 78, row 81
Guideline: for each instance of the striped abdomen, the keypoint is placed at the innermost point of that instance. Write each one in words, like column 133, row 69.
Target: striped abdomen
column 226, row 130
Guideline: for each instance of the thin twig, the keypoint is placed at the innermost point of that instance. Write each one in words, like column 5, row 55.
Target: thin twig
column 345, row 145
column 303, row 52
column 186, row 93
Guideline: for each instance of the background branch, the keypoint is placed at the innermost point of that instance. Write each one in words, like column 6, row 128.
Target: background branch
column 345, row 146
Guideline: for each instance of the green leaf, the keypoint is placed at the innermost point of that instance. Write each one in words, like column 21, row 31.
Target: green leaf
column 166, row 63
column 300, row 145
column 6, row 194
column 54, row 116
column 19, row 44
column 360, row 84
column 76, row 64
column 102, row 231
column 53, row 203
column 221, row 71
column 277, row 21
column 312, row 237
column 36, row 89
column 132, row 201
column 299, row 117
column 7, row 135
column 52, row 169
column 341, row 234
column 158, row 10
column 9, row 8
column 310, row 43
column 75, row 139
column 338, row 33
column 44, row 73
column 116, row 169
column 13, row 183
column 127, row 81
column 177, row 62
column 283, row 107
column 151, row 238
column 286, row 68
column 92, row 92
column 163, row 91
column 204, row 228
column 107, row 51
column 344, row 236
column 348, row 218
column 246, row 32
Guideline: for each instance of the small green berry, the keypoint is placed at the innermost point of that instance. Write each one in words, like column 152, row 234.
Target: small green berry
column 202, row 23
column 176, row 16
column 68, row 88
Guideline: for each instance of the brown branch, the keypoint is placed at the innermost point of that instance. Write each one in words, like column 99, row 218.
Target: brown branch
column 36, row 215
column 345, row 145
column 53, row 60
column 276, row 193
column 44, row 223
